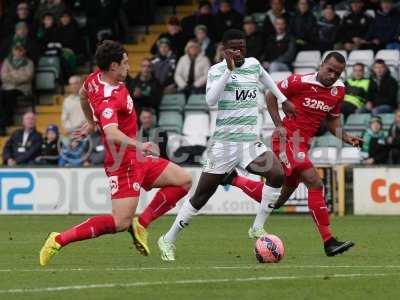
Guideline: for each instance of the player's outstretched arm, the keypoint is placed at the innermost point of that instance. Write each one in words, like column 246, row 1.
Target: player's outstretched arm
column 273, row 109
column 269, row 83
column 216, row 86
column 334, row 125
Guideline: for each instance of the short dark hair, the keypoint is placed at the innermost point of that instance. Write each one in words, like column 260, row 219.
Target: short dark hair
column 359, row 65
column 107, row 53
column 337, row 56
column 147, row 109
column 233, row 34
column 380, row 62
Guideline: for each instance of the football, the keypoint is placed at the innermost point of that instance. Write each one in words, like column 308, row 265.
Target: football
column 269, row 249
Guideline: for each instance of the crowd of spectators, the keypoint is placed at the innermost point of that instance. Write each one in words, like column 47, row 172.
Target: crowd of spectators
column 276, row 30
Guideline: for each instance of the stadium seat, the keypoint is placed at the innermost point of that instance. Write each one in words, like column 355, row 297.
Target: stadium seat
column 363, row 56
column 50, row 63
column 391, row 57
column 45, row 81
column 394, row 71
column 341, row 13
column 327, row 140
column 357, row 122
column 279, row 76
column 171, row 121
column 370, row 12
column 197, row 102
column 387, row 120
column 174, row 102
column 324, row 155
column 307, row 59
column 350, row 155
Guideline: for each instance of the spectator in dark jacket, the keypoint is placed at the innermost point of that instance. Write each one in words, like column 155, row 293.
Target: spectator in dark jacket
column 206, row 44
column 303, row 26
column 354, row 26
column 68, row 33
column 144, row 88
column 203, row 16
column 226, row 18
column 328, row 27
column 164, row 65
column 149, row 133
column 384, row 27
column 382, row 94
column 22, row 14
column 21, row 37
column 49, row 153
column 24, row 144
column 47, row 32
column 280, row 49
column 175, row 35
column 277, row 10
column 53, row 7
column 254, row 38
column 393, row 139
column 356, row 91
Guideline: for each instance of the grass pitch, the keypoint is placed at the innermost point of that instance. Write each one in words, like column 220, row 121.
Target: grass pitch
column 214, row 261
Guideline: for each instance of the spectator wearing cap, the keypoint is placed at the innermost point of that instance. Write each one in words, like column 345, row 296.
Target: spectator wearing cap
column 16, row 74
column 25, row 144
column 277, row 10
column 383, row 28
column 164, row 65
column 207, row 46
column 191, row 71
column 357, row 87
column 328, row 28
column 303, row 27
column 280, row 48
column 382, row 93
column 226, row 18
column 22, row 14
column 49, row 153
column 175, row 35
column 254, row 38
column 72, row 116
column 21, row 36
column 203, row 16
column 144, row 88
column 354, row 26
column 374, row 146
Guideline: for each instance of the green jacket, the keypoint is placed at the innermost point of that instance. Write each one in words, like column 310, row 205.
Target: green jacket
column 369, row 135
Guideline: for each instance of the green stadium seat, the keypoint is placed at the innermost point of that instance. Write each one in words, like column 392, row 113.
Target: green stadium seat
column 174, row 102
column 357, row 122
column 45, row 81
column 171, row 121
column 50, row 63
column 387, row 120
column 196, row 103
column 327, row 140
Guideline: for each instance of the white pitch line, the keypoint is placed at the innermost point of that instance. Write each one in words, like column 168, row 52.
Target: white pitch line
column 186, row 281
column 129, row 269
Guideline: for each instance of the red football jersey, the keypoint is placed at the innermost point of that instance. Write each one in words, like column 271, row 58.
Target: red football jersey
column 313, row 102
column 112, row 105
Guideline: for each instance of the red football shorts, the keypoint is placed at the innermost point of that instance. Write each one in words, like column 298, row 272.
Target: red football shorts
column 293, row 157
column 127, row 180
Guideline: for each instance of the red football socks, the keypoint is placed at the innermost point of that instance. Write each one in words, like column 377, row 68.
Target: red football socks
column 250, row 187
column 319, row 212
column 91, row 228
column 165, row 199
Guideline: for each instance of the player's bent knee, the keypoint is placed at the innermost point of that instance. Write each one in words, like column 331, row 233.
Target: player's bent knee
column 276, row 180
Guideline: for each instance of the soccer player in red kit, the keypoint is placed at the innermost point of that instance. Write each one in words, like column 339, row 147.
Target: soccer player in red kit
column 316, row 97
column 128, row 163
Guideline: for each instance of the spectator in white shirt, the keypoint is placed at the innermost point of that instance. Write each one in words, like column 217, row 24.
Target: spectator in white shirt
column 72, row 116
